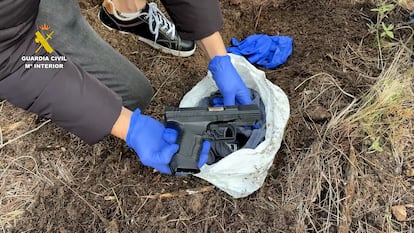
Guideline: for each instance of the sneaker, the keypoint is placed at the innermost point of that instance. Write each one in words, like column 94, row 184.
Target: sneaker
column 151, row 26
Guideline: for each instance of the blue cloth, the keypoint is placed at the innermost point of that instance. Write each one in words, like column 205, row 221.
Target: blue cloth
column 263, row 50
column 412, row 17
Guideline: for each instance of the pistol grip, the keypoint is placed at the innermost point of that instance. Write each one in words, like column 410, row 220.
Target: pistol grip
column 186, row 159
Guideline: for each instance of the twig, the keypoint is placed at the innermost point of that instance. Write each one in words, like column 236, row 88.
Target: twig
column 1, row 131
column 24, row 168
column 2, row 104
column 330, row 79
column 258, row 15
column 94, row 210
column 23, row 135
column 180, row 193
column 204, row 219
column 345, row 223
column 163, row 84
column 119, row 202
column 1, row 136
column 345, row 63
column 142, row 205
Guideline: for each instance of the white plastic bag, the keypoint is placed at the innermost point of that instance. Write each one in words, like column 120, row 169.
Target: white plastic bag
column 243, row 172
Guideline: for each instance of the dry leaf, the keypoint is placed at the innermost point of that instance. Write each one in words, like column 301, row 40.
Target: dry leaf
column 399, row 212
column 410, row 172
column 407, row 4
column 113, row 227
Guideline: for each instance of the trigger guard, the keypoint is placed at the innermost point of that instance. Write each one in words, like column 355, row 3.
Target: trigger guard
column 213, row 131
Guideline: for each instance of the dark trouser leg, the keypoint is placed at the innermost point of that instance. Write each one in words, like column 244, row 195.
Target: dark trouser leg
column 76, row 39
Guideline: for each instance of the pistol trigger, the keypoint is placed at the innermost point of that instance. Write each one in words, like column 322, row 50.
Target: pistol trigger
column 230, row 132
column 214, row 132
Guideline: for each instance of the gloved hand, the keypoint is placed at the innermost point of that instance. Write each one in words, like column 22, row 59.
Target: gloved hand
column 229, row 81
column 154, row 144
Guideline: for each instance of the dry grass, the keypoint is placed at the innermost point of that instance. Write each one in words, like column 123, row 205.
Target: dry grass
column 345, row 181
column 383, row 123
column 341, row 183
column 20, row 178
column 350, row 177
column 25, row 168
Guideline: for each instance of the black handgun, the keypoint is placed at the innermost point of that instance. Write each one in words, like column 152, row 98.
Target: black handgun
column 196, row 124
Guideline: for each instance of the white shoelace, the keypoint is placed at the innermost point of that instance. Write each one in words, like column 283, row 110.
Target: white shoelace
column 155, row 15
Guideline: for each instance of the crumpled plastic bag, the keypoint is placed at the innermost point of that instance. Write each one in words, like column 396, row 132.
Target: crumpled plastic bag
column 243, row 172
column 263, row 50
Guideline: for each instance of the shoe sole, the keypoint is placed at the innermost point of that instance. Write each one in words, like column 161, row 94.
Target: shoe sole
column 153, row 44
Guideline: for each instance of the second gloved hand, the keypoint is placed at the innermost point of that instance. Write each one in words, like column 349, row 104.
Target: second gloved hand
column 154, row 144
column 229, row 81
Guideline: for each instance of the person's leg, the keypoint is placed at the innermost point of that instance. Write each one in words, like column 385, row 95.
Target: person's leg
column 148, row 23
column 129, row 6
column 76, row 39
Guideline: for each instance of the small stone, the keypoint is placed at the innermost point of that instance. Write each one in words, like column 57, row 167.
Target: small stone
column 317, row 114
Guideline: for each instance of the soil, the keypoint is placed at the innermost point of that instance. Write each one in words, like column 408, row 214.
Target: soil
column 104, row 187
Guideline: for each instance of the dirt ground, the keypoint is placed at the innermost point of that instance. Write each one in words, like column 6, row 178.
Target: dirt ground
column 104, row 188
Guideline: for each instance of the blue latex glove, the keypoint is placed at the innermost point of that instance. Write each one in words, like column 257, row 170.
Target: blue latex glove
column 229, row 81
column 254, row 46
column 154, row 144
column 264, row 50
